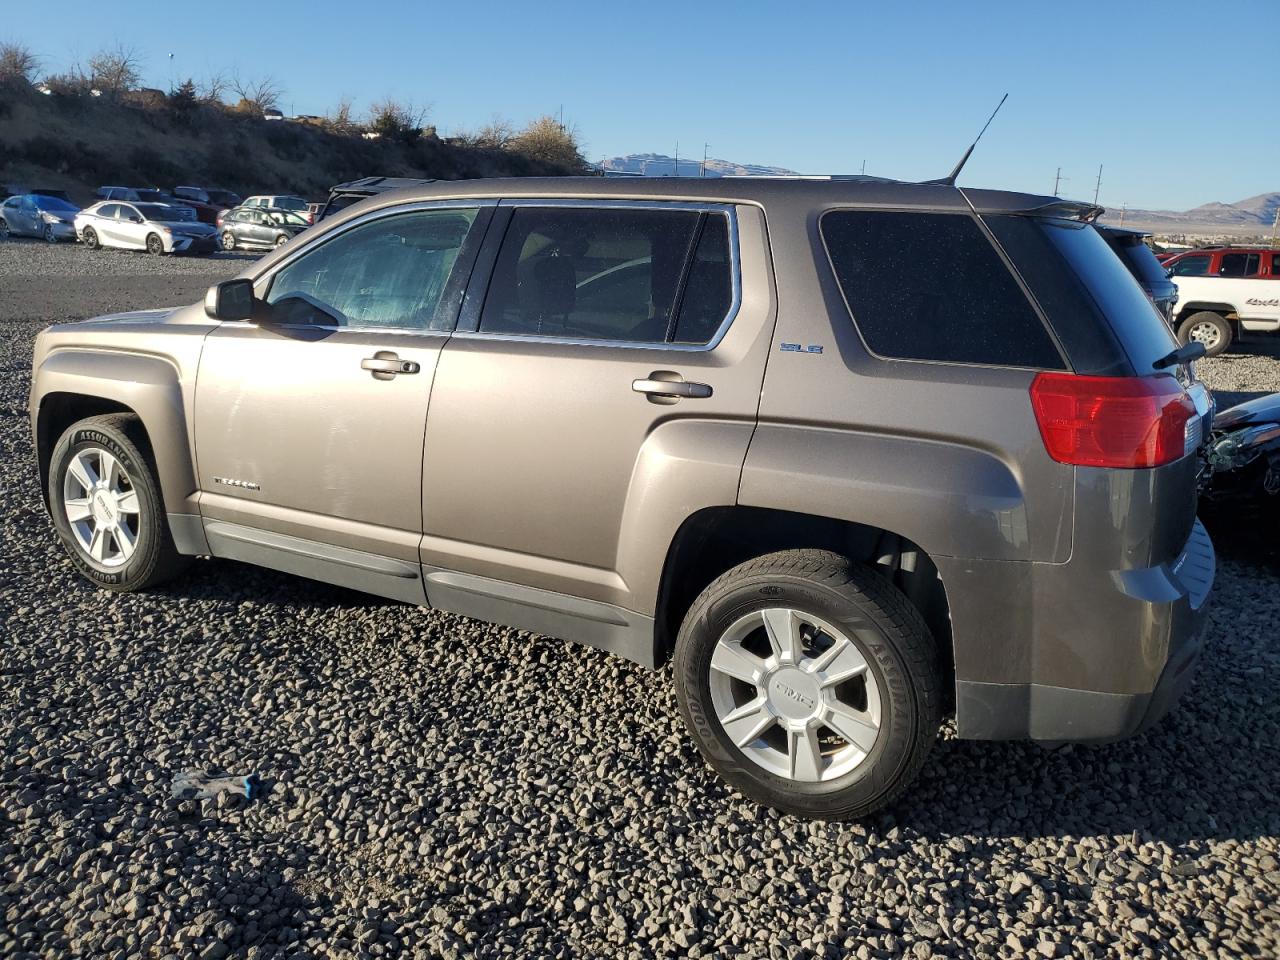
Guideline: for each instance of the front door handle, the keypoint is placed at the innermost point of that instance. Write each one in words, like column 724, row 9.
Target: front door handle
column 385, row 365
column 666, row 386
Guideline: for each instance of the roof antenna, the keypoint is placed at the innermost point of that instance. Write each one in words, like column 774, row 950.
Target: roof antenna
column 950, row 179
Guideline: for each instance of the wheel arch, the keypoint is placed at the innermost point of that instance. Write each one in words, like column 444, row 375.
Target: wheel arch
column 713, row 540
column 75, row 384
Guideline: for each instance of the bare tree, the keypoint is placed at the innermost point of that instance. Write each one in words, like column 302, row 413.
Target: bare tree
column 341, row 120
column 117, row 70
column 17, row 63
column 495, row 134
column 263, row 93
column 213, row 88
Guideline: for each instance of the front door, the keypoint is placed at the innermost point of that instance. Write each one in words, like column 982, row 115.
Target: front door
column 601, row 325
column 309, row 421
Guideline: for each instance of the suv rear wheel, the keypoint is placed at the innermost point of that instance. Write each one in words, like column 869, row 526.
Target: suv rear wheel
column 107, row 507
column 809, row 683
column 1208, row 328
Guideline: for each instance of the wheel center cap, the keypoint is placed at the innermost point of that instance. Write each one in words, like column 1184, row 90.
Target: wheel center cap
column 794, row 694
column 103, row 509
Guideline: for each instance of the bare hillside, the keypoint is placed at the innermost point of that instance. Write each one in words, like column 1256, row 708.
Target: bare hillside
column 79, row 143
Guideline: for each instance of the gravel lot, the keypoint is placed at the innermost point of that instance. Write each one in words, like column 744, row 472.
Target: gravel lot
column 440, row 787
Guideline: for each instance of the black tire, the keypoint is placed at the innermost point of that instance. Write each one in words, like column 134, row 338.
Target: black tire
column 282, row 239
column 49, row 235
column 90, row 239
column 900, row 653
column 1205, row 320
column 228, row 240
column 155, row 559
column 155, row 246
column 4, row 229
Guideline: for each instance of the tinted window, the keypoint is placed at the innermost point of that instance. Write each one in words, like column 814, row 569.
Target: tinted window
column 1103, row 290
column 1239, row 265
column 157, row 211
column 932, row 287
column 389, row 273
column 1138, row 258
column 1275, row 264
column 708, row 292
column 1193, row 266
column 288, row 203
column 611, row 274
column 107, row 211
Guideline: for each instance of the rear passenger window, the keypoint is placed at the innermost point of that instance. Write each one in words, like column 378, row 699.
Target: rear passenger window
column 615, row 274
column 1239, row 265
column 932, row 287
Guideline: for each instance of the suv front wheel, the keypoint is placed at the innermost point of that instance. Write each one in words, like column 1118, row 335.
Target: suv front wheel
column 106, row 505
column 810, row 684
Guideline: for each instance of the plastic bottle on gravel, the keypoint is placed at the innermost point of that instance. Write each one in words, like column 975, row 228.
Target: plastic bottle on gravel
column 200, row 785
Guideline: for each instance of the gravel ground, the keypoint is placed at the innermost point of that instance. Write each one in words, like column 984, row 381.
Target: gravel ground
column 440, row 787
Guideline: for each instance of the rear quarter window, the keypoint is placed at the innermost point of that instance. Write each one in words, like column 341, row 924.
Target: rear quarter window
column 931, row 286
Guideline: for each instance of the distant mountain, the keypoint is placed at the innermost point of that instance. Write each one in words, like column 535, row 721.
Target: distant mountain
column 658, row 165
column 1252, row 216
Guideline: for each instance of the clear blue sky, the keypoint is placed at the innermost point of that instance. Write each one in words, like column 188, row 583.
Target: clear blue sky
column 1159, row 93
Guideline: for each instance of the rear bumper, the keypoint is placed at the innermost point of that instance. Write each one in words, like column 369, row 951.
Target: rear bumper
column 1166, row 603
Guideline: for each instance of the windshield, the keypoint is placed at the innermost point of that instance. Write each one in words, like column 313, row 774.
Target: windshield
column 290, row 203
column 223, row 197
column 155, row 196
column 1137, row 256
column 162, row 212
column 55, row 205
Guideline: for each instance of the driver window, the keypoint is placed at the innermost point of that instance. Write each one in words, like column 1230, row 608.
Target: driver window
column 391, row 272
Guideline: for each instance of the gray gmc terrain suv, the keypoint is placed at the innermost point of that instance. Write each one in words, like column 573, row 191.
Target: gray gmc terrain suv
column 854, row 454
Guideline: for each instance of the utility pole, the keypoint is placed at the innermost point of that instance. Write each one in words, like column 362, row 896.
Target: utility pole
column 1123, row 208
column 171, row 74
column 675, row 170
column 1275, row 223
column 1097, row 186
column 864, row 168
column 702, row 170
column 1058, row 179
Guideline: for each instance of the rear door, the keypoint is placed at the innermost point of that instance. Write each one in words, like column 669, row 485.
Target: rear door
column 596, row 325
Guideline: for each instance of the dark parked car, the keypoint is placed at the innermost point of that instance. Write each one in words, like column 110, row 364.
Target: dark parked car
column 343, row 195
column 1131, row 247
column 258, row 228
column 33, row 215
column 222, row 199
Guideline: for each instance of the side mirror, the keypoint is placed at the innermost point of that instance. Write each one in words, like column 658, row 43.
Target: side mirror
column 135, row 219
column 230, row 300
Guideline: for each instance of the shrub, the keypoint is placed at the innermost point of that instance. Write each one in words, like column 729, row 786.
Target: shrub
column 547, row 141
column 18, row 65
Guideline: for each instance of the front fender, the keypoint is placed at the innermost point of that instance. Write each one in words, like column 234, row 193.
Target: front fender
column 149, row 385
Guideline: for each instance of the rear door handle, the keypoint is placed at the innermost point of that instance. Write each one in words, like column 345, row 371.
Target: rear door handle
column 384, row 365
column 664, row 384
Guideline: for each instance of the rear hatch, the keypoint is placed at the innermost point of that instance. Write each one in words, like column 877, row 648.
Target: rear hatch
column 1125, row 406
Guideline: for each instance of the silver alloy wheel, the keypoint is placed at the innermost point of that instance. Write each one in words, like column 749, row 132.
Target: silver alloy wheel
column 101, row 503
column 49, row 235
column 228, row 240
column 795, row 694
column 1206, row 333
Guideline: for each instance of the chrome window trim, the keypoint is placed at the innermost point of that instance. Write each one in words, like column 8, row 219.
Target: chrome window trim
column 327, row 235
column 728, row 210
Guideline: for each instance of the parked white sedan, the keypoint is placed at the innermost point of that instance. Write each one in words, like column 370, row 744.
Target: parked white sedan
column 157, row 228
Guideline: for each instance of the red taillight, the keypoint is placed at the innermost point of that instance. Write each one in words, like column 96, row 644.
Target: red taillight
column 1113, row 421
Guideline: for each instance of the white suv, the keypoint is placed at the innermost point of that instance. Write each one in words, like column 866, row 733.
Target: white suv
column 1223, row 291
